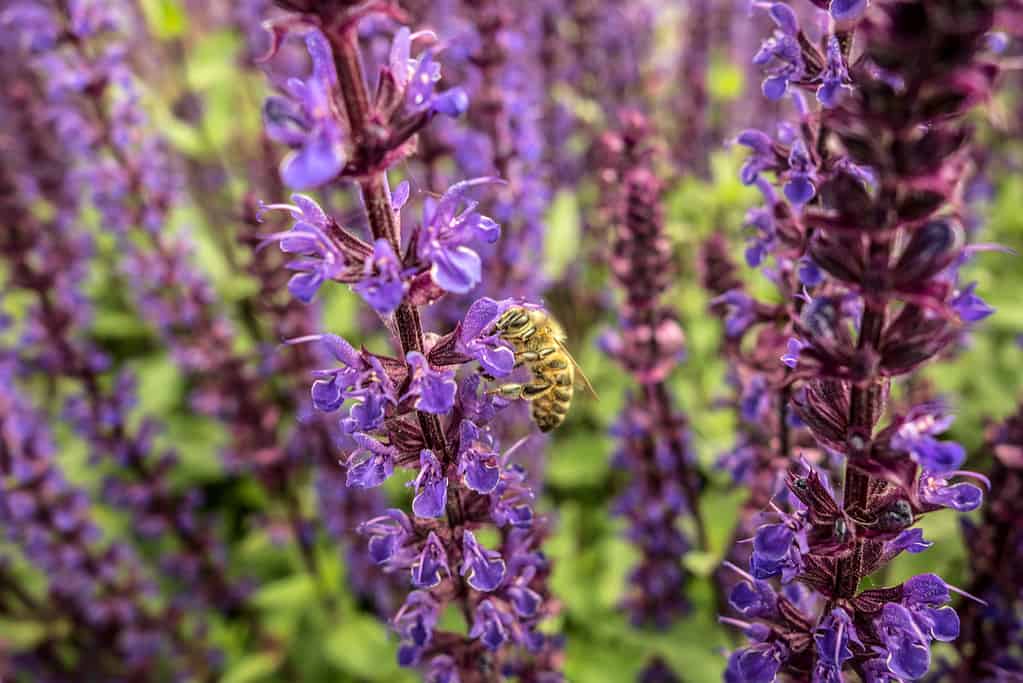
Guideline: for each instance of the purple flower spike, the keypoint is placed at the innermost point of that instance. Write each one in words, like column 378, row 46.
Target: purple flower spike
column 435, row 389
column 477, row 464
column 431, row 487
column 483, row 569
column 382, row 286
column 372, row 465
column 427, row 567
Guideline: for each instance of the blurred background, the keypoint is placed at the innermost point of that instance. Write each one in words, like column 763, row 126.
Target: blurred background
column 310, row 610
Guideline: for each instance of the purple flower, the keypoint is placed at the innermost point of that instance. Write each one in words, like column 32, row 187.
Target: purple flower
column 477, row 339
column 361, row 377
column 755, row 400
column 435, row 389
column 847, row 10
column 916, row 436
column 792, row 351
column 372, row 465
column 763, row 240
column 907, row 628
column 388, row 534
column 483, row 569
column 488, row 625
column 431, row 487
column 308, row 237
column 448, row 227
column 809, row 272
column 832, row 639
column 510, row 501
column 419, row 78
column 427, row 566
column 382, row 286
column 758, row 663
column 477, row 464
column 909, row 540
column 525, row 600
column 781, row 54
column 968, row 306
column 934, row 489
column 778, row 549
column 415, row 622
column 754, row 598
column 443, row 669
column 799, row 187
column 835, row 76
column 307, row 121
column 742, row 312
column 763, row 157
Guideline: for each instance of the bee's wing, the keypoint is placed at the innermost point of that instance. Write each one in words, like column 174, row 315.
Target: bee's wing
column 578, row 370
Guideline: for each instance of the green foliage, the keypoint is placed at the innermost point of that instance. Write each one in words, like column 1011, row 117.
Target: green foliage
column 167, row 19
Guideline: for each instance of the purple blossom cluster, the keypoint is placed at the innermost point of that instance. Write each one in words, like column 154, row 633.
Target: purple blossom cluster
column 415, row 412
column 652, row 433
column 863, row 245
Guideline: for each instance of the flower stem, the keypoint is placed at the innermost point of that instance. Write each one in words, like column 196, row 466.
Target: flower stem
column 862, row 400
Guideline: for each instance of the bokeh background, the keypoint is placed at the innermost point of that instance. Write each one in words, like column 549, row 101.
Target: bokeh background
column 203, row 92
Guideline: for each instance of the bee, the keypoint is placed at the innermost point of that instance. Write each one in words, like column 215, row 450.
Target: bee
column 539, row 343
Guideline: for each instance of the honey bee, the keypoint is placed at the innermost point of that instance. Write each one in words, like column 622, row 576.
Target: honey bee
column 539, row 343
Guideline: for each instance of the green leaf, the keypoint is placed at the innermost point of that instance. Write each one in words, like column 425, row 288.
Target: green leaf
column 580, row 460
column 360, row 647
column 166, row 18
column 252, row 668
column 295, row 592
column 21, row 635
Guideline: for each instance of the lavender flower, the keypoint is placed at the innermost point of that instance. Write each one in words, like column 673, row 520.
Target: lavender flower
column 863, row 325
column 413, row 412
column 653, row 439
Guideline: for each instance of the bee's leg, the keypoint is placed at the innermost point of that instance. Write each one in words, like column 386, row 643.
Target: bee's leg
column 527, row 392
column 509, row 390
column 524, row 357
column 536, row 388
column 523, row 334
